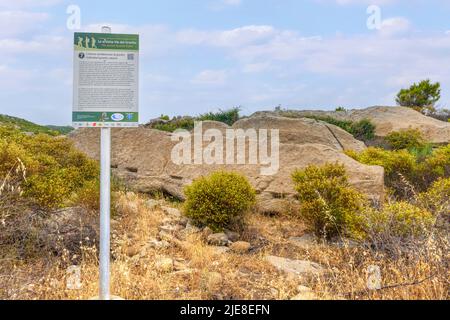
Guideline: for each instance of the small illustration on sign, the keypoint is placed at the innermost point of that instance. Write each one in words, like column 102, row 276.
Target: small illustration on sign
column 117, row 117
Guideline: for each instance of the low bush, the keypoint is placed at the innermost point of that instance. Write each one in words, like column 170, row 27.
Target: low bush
column 219, row 200
column 437, row 199
column 185, row 123
column 228, row 117
column 400, row 167
column 329, row 205
column 55, row 169
column 397, row 223
column 437, row 165
column 408, row 172
column 362, row 130
column 406, row 139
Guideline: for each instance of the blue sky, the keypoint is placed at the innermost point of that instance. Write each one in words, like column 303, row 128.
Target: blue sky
column 199, row 56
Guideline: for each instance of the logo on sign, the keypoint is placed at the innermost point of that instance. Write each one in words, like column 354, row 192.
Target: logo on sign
column 117, row 117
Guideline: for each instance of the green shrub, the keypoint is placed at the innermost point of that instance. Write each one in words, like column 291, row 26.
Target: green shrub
column 422, row 153
column 219, row 200
column 398, row 221
column 437, row 165
column 340, row 109
column 329, row 205
column 51, row 189
column 343, row 124
column 184, row 123
column 362, row 130
column 437, row 199
column 411, row 171
column 88, row 196
column 400, row 167
column 406, row 139
column 226, row 116
column 55, row 169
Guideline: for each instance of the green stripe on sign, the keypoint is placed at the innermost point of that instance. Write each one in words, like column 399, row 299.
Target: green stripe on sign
column 106, row 41
column 119, row 117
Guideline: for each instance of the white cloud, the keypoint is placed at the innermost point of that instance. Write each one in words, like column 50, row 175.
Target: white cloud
column 211, row 77
column 232, row 2
column 376, row 64
column 395, row 26
column 18, row 22
column 256, row 67
column 358, row 2
column 44, row 44
column 219, row 5
column 227, row 38
column 20, row 4
column 155, row 40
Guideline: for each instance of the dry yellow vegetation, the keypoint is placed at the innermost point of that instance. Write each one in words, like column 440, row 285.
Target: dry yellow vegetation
column 191, row 269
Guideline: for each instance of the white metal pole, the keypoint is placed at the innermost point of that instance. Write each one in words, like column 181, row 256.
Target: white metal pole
column 105, row 208
column 105, row 211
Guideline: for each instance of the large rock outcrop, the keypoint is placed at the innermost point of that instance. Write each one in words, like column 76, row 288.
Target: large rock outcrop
column 387, row 120
column 143, row 158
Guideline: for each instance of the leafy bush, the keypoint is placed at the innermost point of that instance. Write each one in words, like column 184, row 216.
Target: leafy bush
column 55, row 169
column 228, row 116
column 437, row 165
column 424, row 94
column 398, row 166
column 218, row 200
column 408, row 172
column 398, row 221
column 340, row 109
column 185, row 123
column 362, row 130
column 406, row 139
column 422, row 153
column 329, row 205
column 437, row 199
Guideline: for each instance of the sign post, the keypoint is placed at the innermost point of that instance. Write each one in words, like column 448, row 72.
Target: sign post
column 106, row 82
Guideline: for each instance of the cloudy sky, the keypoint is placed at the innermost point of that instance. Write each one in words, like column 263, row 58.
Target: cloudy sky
column 205, row 55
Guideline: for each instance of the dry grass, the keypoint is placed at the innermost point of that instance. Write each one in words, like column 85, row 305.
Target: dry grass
column 422, row 274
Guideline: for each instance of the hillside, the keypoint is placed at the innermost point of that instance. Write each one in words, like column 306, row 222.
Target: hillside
column 28, row 126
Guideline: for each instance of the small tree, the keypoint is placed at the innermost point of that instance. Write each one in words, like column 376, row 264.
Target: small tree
column 423, row 95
